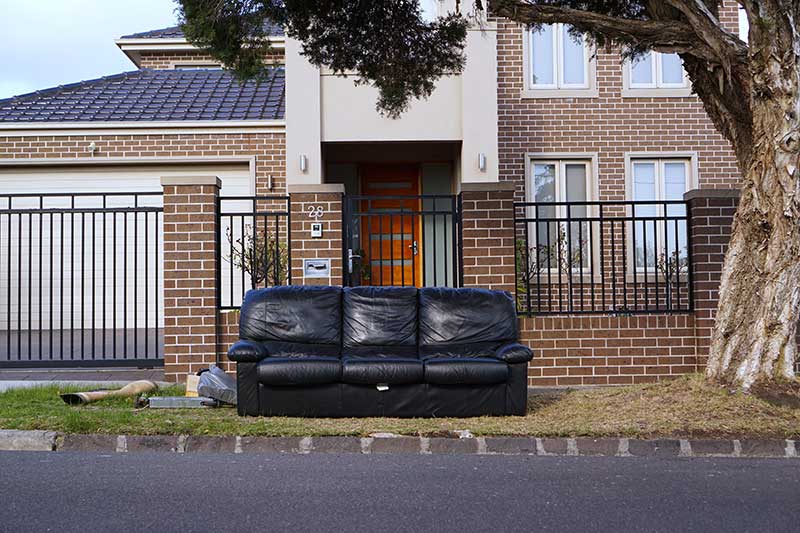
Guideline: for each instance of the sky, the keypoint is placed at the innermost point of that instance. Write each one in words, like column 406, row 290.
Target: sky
column 46, row 43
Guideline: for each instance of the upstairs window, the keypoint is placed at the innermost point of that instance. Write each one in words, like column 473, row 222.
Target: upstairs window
column 558, row 59
column 657, row 71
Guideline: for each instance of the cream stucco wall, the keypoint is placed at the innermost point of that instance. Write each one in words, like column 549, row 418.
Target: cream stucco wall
column 321, row 108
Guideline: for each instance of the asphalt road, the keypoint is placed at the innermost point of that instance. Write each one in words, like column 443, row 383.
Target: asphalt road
column 160, row 492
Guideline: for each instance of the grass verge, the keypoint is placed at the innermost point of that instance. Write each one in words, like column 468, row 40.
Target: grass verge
column 684, row 407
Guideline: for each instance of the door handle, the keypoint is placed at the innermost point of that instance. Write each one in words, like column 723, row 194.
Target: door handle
column 414, row 248
column 350, row 257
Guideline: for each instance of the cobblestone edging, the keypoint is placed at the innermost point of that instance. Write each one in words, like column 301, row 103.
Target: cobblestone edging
column 12, row 440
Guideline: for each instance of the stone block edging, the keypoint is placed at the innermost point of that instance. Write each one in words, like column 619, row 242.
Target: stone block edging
column 13, row 440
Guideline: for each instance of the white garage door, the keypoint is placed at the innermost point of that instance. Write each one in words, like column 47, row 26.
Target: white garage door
column 67, row 266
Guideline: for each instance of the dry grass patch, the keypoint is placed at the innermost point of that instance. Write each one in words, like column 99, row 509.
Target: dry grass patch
column 684, row 407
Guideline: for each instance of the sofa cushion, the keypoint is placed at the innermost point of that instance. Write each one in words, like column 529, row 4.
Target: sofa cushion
column 293, row 371
column 382, row 370
column 379, row 316
column 465, row 371
column 465, row 322
column 300, row 349
column 295, row 313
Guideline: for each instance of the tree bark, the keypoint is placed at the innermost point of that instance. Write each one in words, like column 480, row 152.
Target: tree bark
column 755, row 335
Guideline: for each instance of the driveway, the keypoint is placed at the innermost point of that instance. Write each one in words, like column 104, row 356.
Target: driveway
column 217, row 492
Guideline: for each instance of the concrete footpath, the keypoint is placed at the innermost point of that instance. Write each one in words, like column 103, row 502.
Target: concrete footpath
column 384, row 443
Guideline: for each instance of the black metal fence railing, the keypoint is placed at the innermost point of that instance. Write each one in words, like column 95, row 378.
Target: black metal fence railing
column 403, row 240
column 603, row 257
column 81, row 279
column 254, row 248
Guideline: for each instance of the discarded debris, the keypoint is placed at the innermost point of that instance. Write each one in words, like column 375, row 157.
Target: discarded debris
column 182, row 402
column 216, row 383
column 134, row 388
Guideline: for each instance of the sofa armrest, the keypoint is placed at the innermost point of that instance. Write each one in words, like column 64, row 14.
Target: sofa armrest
column 245, row 351
column 514, row 352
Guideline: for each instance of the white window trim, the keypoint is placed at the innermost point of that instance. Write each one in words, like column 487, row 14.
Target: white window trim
column 653, row 90
column 561, row 159
column 660, row 158
column 587, row 90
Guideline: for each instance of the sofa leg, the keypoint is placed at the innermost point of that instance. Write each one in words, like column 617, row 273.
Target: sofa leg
column 247, row 403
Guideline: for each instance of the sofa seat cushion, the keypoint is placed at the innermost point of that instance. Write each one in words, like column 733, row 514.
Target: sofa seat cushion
column 299, row 371
column 300, row 349
column 465, row 371
column 371, row 371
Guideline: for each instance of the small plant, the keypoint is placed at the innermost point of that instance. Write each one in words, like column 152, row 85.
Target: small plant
column 261, row 255
column 534, row 262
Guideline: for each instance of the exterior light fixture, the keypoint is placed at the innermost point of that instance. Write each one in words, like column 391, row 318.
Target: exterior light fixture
column 303, row 163
column 482, row 161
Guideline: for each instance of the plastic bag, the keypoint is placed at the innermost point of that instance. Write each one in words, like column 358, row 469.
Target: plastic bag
column 215, row 383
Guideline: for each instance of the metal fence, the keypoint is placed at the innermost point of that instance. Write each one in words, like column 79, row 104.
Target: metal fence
column 603, row 257
column 403, row 240
column 254, row 248
column 80, row 279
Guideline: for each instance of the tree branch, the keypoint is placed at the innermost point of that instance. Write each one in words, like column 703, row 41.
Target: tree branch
column 668, row 36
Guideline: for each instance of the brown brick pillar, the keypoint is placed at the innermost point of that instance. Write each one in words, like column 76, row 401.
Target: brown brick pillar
column 488, row 235
column 711, row 217
column 190, row 272
column 316, row 204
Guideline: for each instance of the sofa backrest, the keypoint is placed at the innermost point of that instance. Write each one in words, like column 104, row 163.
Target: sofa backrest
column 471, row 319
column 293, row 314
column 380, row 316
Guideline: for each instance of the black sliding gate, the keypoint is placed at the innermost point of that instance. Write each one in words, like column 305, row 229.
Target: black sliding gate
column 81, row 280
column 403, row 240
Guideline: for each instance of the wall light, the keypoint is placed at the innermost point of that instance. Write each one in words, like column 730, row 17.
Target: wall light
column 482, row 162
column 303, row 163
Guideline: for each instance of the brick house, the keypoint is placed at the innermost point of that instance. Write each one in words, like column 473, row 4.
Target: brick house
column 596, row 190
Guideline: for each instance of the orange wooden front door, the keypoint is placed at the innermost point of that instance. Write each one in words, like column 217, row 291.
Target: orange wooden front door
column 390, row 232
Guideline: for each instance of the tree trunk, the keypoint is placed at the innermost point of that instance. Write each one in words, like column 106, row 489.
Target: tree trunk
column 755, row 335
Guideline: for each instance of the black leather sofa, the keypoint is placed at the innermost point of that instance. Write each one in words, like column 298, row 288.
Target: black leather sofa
column 379, row 351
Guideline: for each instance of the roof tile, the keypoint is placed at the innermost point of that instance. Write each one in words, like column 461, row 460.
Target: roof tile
column 154, row 95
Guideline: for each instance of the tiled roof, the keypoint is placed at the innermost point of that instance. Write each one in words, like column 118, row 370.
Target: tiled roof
column 174, row 32
column 154, row 95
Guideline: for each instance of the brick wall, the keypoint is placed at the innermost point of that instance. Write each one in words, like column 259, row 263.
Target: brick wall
column 712, row 217
column 269, row 149
column 608, row 125
column 190, row 295
column 168, row 60
column 329, row 246
column 488, row 238
column 609, row 350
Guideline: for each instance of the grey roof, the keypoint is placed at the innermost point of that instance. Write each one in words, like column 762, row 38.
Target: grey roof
column 154, row 95
column 175, row 32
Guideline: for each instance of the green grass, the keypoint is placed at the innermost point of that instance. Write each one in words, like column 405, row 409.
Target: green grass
column 684, row 407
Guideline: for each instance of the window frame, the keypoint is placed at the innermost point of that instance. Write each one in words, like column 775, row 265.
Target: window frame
column 558, row 89
column 689, row 159
column 561, row 160
column 657, row 88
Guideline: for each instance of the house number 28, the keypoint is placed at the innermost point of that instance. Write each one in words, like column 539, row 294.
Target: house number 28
column 316, row 212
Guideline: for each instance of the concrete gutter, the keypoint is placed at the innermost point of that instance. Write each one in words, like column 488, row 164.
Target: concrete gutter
column 12, row 440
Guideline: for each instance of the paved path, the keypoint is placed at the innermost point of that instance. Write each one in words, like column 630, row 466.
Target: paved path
column 225, row 492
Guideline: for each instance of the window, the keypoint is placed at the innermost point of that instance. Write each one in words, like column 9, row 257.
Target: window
column 562, row 245
column 659, row 243
column 657, row 71
column 557, row 59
